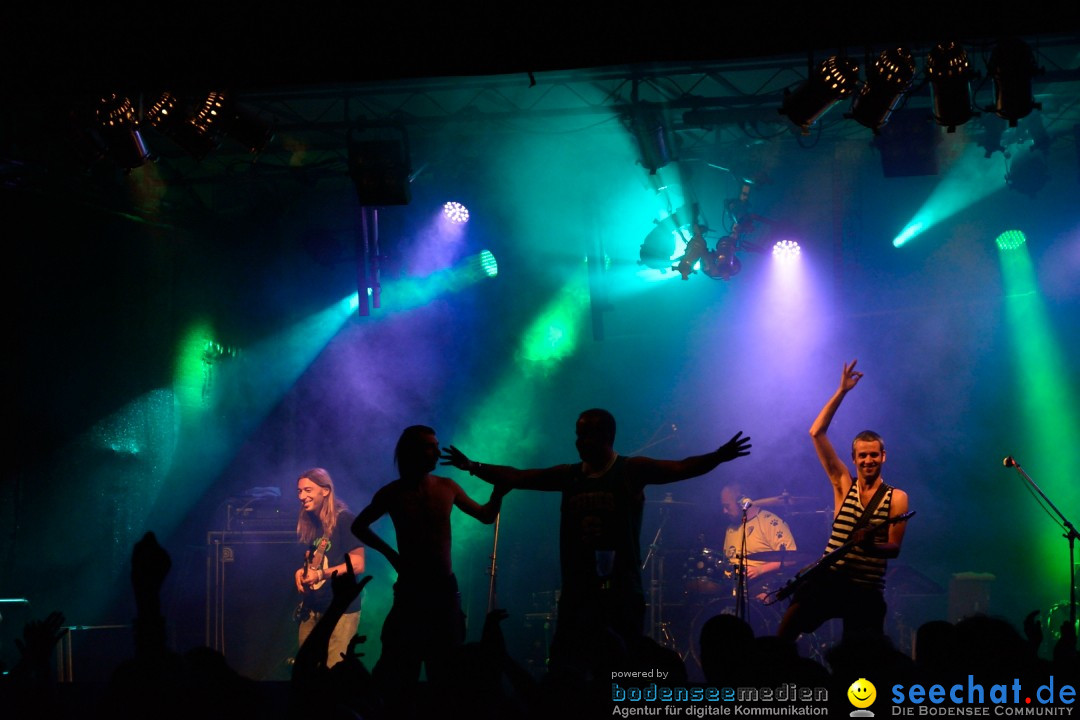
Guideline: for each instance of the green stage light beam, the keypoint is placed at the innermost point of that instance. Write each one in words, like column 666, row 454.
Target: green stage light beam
column 1047, row 402
column 411, row 293
column 207, row 376
column 498, row 429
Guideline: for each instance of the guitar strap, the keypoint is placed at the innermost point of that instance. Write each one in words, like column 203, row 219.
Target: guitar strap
column 868, row 511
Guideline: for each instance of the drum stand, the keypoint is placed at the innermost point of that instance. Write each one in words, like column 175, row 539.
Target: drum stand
column 658, row 628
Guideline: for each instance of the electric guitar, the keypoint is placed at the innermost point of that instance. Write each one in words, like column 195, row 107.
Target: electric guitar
column 810, row 572
column 315, row 558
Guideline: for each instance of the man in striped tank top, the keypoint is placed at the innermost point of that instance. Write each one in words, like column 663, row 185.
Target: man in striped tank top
column 851, row 588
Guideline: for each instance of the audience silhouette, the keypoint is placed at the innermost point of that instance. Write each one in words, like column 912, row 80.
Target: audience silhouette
column 486, row 682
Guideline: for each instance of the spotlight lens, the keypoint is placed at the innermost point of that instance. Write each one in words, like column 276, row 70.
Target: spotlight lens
column 786, row 250
column 1010, row 240
column 456, row 212
column 488, row 263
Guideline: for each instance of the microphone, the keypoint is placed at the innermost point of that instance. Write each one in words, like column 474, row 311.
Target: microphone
column 745, row 503
column 1008, row 461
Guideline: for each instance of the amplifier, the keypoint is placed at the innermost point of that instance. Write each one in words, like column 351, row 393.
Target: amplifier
column 261, row 514
column 250, row 598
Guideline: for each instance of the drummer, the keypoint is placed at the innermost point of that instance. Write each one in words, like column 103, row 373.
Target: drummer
column 765, row 532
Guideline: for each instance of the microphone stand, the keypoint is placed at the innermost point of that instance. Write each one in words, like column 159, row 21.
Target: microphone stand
column 491, row 603
column 1071, row 535
column 740, row 583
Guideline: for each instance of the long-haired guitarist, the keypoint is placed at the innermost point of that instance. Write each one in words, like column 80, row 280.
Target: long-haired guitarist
column 851, row 586
column 323, row 528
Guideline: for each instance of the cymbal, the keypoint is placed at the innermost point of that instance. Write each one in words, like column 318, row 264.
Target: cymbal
column 784, row 557
column 783, row 498
column 667, row 501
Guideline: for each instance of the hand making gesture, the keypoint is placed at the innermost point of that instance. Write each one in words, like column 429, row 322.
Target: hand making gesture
column 850, row 378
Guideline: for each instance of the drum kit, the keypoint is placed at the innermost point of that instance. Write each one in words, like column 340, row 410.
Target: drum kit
column 710, row 584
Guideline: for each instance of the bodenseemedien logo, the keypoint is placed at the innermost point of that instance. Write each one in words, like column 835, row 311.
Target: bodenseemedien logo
column 707, row 700
column 862, row 694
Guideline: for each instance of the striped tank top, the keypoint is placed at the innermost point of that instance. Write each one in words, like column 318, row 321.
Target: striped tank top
column 855, row 565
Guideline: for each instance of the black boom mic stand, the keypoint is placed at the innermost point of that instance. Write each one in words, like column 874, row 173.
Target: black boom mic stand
column 1070, row 534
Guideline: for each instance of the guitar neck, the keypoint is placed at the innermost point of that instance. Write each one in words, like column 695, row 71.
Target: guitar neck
column 832, row 558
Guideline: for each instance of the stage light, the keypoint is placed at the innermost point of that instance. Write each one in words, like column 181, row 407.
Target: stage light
column 488, row 263
column 666, row 241
column 648, row 127
column 1010, row 240
column 722, row 263
column 455, row 212
column 786, row 250
column 887, row 80
column 833, row 80
column 168, row 117
column 120, row 130
column 220, row 114
column 949, row 71
column 1012, row 65
column 697, row 254
column 907, row 233
column 1027, row 171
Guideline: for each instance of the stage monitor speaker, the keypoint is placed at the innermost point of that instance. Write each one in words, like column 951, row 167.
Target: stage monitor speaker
column 250, row 599
column 908, row 145
column 380, row 171
column 969, row 594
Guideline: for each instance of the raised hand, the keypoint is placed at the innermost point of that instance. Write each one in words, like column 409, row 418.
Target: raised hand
column 453, row 456
column 736, row 447
column 851, row 377
column 346, row 588
column 150, row 563
column 38, row 640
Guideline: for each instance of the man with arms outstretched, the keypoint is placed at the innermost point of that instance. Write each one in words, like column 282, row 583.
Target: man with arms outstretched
column 602, row 599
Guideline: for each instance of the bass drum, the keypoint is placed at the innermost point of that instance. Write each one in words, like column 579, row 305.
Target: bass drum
column 707, row 573
column 763, row 619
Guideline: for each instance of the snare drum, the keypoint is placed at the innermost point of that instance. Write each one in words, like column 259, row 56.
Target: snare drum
column 707, row 572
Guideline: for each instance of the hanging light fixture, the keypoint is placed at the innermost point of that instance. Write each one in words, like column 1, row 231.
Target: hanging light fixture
column 832, row 81
column 119, row 128
column 168, row 116
column 950, row 72
column 650, row 131
column 220, row 114
column 1012, row 66
column 888, row 79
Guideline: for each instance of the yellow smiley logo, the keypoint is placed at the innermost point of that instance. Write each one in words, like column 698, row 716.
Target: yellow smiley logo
column 862, row 693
